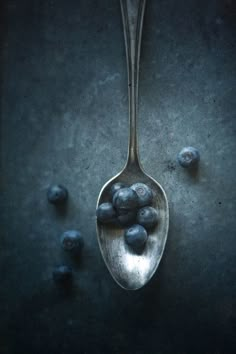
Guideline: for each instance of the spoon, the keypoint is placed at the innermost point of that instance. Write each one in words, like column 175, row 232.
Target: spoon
column 130, row 270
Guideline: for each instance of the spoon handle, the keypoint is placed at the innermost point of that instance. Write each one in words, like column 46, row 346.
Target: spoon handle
column 132, row 15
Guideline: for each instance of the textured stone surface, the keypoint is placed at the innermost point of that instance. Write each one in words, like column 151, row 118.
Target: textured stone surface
column 64, row 120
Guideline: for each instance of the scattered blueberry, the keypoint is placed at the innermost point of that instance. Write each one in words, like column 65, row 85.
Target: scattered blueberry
column 124, row 200
column 57, row 194
column 106, row 213
column 72, row 241
column 144, row 193
column 147, row 217
column 188, row 156
column 126, row 219
column 136, row 237
column 62, row 274
column 115, row 187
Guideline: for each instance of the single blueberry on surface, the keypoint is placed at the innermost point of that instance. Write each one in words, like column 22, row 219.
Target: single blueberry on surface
column 62, row 274
column 136, row 237
column 57, row 194
column 106, row 213
column 124, row 200
column 188, row 157
column 115, row 187
column 147, row 217
column 72, row 241
column 145, row 195
column 126, row 219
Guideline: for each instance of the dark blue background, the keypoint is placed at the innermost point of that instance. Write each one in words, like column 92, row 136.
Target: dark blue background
column 64, row 120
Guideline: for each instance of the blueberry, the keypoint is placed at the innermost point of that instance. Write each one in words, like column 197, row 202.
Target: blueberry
column 124, row 200
column 144, row 193
column 106, row 213
column 72, row 241
column 147, row 217
column 62, row 274
column 136, row 237
column 188, row 157
column 115, row 187
column 126, row 219
column 57, row 194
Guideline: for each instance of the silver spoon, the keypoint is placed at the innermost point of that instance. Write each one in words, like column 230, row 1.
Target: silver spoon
column 131, row 271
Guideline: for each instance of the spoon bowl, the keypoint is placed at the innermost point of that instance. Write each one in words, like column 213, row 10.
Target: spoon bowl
column 129, row 269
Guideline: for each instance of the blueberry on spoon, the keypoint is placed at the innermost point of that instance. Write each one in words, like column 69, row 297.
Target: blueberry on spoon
column 147, row 217
column 115, row 187
column 106, row 213
column 136, row 237
column 145, row 195
column 124, row 200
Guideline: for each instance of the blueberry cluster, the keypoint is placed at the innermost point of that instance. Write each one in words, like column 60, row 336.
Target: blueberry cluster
column 130, row 207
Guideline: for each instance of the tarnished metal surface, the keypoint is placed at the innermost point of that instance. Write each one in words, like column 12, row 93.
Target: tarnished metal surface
column 129, row 270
